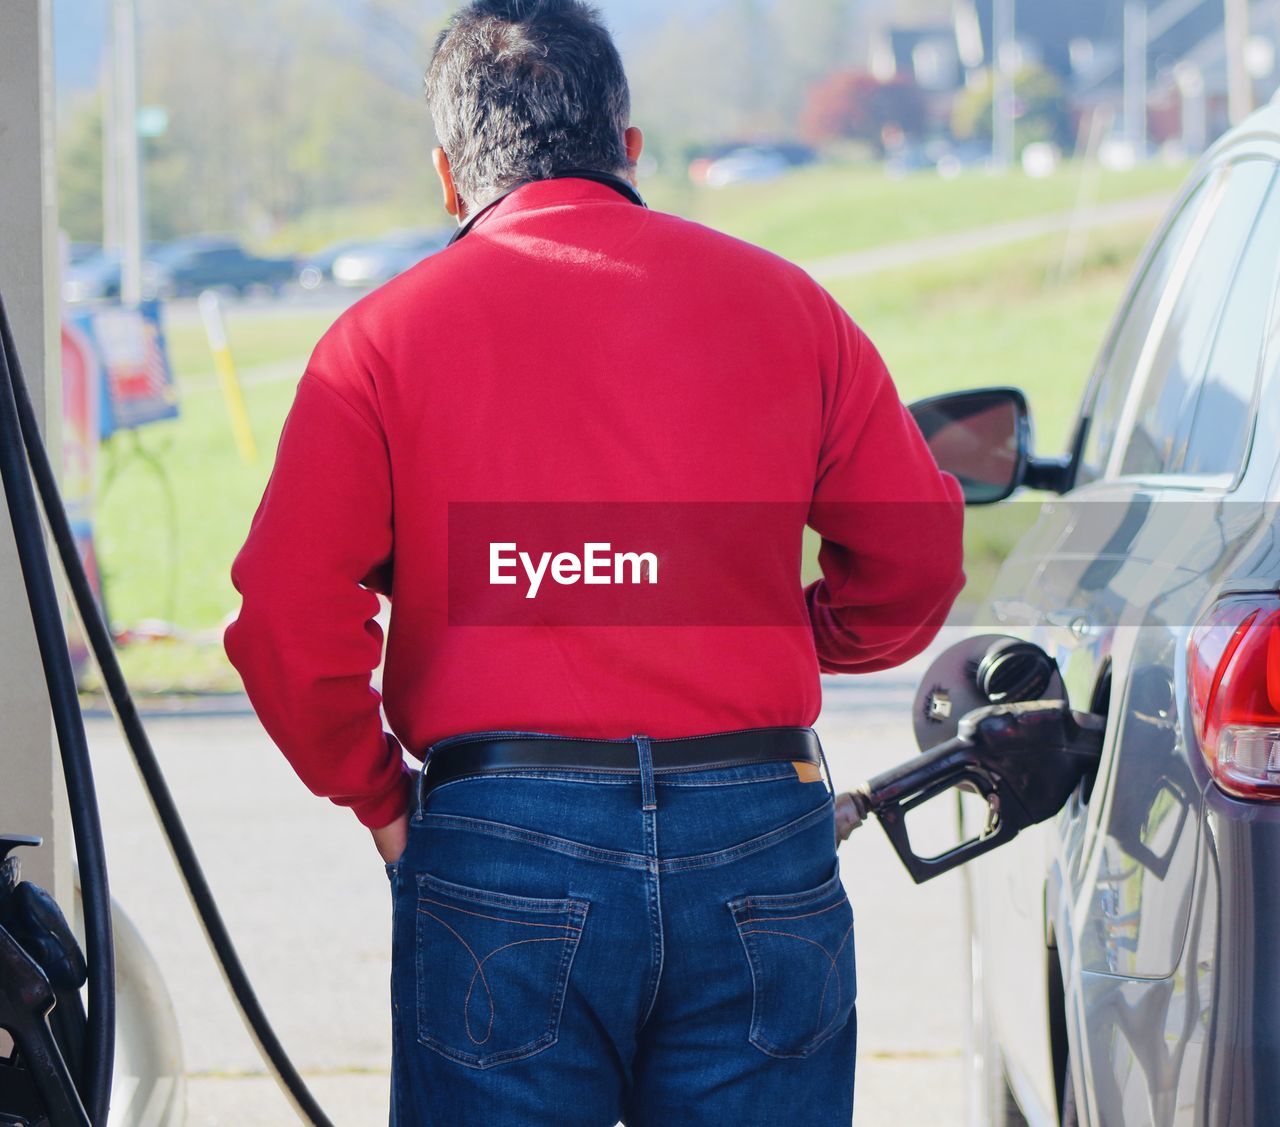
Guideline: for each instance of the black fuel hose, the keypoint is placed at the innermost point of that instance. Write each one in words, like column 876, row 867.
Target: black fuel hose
column 184, row 854
column 93, row 1072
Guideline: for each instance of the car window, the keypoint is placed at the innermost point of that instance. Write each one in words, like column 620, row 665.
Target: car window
column 1227, row 403
column 1131, row 334
column 1161, row 415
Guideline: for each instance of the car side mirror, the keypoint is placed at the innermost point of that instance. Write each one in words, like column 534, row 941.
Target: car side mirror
column 983, row 438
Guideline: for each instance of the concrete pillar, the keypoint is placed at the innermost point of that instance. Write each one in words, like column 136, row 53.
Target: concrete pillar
column 32, row 800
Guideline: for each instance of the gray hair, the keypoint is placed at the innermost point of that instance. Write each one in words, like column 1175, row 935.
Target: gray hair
column 522, row 90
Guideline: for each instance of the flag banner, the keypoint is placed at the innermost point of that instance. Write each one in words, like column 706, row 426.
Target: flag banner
column 81, row 382
column 137, row 385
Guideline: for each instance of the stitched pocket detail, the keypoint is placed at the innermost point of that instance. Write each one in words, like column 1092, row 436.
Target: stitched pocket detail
column 799, row 947
column 492, row 970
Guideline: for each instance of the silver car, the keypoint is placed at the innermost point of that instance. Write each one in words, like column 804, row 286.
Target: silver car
column 372, row 263
column 1125, row 956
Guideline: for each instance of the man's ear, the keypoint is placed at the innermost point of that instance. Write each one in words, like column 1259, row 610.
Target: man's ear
column 440, row 159
column 634, row 140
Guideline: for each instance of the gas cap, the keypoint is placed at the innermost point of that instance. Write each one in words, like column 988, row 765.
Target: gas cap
column 980, row 671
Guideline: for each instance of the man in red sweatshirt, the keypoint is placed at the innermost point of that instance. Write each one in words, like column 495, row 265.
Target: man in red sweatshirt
column 577, row 450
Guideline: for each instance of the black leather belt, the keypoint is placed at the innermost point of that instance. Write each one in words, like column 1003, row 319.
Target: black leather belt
column 485, row 752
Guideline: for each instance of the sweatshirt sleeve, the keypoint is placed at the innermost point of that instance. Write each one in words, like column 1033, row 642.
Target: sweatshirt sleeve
column 306, row 641
column 891, row 522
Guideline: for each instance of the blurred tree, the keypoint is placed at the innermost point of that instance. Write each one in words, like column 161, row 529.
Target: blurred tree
column 80, row 169
column 398, row 37
column 1040, row 109
column 734, row 70
column 840, row 106
column 277, row 107
column 682, row 93
column 813, row 39
column 746, row 35
column 280, row 109
column 858, row 106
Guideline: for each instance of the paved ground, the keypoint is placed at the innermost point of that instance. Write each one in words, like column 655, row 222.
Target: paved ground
column 307, row 901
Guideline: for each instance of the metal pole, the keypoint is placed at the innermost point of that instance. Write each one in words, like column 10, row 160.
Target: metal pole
column 1077, row 242
column 110, row 173
column 1003, row 51
column 127, row 159
column 1195, row 117
column 1135, row 76
column 215, row 328
column 968, row 34
column 32, row 799
column 1239, row 81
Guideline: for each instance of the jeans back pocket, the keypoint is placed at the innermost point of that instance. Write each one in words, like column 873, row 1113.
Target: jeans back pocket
column 492, row 970
column 800, row 949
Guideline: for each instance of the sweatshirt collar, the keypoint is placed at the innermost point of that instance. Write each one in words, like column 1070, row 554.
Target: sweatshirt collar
column 560, row 191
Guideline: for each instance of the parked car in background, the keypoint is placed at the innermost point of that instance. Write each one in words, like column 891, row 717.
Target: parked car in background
column 81, row 252
column 746, row 165
column 94, row 277
column 380, row 260
column 188, row 266
column 1123, row 959
column 947, row 158
column 318, row 268
column 791, row 154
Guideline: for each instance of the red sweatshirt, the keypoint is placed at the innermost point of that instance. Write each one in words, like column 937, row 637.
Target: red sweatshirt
column 577, row 450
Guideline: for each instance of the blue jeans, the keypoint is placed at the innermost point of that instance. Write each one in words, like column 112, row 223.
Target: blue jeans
column 581, row 947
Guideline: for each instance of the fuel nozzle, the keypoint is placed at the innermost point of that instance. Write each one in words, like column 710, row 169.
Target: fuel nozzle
column 1025, row 757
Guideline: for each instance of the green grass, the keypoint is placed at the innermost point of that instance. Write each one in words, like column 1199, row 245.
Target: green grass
column 820, row 210
column 259, row 339
column 322, row 226
column 213, row 495
column 835, row 210
column 985, row 318
column 995, row 318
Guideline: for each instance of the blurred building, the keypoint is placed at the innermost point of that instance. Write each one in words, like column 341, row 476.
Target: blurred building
column 1185, row 56
column 1182, row 74
column 927, row 54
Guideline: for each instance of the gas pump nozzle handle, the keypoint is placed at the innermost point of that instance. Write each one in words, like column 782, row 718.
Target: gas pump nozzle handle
column 1024, row 759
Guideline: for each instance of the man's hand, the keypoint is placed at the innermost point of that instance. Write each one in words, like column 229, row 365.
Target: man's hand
column 392, row 838
column 852, row 809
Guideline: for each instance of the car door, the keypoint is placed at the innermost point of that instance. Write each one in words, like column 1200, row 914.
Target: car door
column 1084, row 579
column 1186, row 448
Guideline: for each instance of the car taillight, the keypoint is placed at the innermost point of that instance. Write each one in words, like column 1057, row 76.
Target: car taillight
column 1233, row 666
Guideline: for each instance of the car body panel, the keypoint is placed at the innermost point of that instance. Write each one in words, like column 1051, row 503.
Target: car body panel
column 745, row 166
column 1152, row 890
column 95, row 277
column 380, row 260
column 318, row 267
column 188, row 266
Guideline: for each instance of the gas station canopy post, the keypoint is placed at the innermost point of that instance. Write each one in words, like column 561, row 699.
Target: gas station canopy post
column 32, row 797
